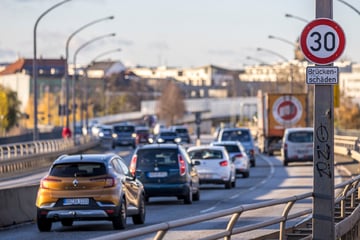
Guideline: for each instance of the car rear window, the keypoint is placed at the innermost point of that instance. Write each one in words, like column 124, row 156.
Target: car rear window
column 157, row 157
column 181, row 130
column 236, row 135
column 78, row 170
column 206, row 154
column 124, row 128
column 230, row 148
column 301, row 137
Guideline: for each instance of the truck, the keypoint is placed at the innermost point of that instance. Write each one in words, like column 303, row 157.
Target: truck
column 275, row 113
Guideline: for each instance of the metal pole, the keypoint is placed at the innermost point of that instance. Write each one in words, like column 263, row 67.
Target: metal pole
column 35, row 91
column 74, row 77
column 323, row 204
column 85, row 87
column 65, row 79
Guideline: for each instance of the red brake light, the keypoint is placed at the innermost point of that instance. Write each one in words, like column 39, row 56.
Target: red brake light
column 182, row 165
column 109, row 181
column 285, row 146
column 133, row 165
column 46, row 181
column 223, row 163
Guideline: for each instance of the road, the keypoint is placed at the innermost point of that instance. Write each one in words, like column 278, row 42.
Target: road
column 268, row 180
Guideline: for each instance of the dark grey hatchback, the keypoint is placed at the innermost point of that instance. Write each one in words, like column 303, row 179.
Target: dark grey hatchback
column 166, row 170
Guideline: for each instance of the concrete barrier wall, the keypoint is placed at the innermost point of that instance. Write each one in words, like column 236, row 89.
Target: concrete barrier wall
column 17, row 205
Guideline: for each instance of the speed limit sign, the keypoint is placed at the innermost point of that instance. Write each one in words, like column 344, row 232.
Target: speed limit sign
column 322, row 41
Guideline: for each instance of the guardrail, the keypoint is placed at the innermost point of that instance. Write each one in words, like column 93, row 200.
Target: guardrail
column 347, row 218
column 21, row 157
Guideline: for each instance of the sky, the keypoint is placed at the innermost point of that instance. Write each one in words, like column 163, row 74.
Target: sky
column 186, row 33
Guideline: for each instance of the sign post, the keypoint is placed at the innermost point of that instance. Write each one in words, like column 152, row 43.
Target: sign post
column 322, row 42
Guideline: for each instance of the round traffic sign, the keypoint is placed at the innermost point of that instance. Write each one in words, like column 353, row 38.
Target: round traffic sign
column 322, row 41
column 287, row 110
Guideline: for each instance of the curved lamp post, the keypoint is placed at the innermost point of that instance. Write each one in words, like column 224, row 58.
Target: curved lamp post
column 65, row 79
column 350, row 6
column 296, row 17
column 86, row 87
column 35, row 133
column 74, row 76
column 283, row 40
column 257, row 60
column 285, row 59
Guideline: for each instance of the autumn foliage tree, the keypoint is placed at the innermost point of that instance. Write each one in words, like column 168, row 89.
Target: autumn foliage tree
column 9, row 110
column 348, row 115
column 171, row 105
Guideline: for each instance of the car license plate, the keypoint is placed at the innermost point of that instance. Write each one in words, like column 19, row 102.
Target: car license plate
column 157, row 174
column 76, row 201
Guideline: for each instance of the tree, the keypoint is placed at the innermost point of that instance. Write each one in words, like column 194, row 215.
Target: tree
column 9, row 110
column 348, row 115
column 170, row 105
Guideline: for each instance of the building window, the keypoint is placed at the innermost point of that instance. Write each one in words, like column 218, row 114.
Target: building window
column 180, row 73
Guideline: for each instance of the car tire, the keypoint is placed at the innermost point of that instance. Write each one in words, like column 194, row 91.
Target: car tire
column 196, row 196
column 285, row 159
column 67, row 222
column 44, row 225
column 228, row 184
column 246, row 174
column 119, row 222
column 140, row 217
column 252, row 164
column 233, row 183
column 188, row 197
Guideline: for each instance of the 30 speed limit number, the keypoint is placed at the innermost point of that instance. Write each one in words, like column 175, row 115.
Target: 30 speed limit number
column 322, row 41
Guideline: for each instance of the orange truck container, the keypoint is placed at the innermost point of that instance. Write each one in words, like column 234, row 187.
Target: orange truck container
column 277, row 111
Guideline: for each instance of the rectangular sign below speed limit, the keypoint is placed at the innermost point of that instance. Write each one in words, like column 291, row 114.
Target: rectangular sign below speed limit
column 322, row 75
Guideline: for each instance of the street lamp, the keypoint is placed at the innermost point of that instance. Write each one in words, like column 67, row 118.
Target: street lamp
column 274, row 53
column 106, row 53
column 350, row 6
column 65, row 79
column 257, row 60
column 285, row 59
column 283, row 40
column 296, row 17
column 74, row 76
column 86, row 87
column 35, row 133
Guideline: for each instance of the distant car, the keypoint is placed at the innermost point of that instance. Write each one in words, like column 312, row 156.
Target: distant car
column 166, row 170
column 124, row 134
column 105, row 133
column 243, row 135
column 213, row 164
column 238, row 155
column 89, row 187
column 167, row 136
column 182, row 132
column 297, row 145
column 142, row 135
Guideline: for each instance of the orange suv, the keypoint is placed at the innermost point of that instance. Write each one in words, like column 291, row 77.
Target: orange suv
column 89, row 187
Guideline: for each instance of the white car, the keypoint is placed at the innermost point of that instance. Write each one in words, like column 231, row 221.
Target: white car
column 238, row 155
column 213, row 164
column 297, row 145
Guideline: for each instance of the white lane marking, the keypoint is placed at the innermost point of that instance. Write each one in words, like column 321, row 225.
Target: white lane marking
column 272, row 171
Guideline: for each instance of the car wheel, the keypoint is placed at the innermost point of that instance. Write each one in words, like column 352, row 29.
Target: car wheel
column 253, row 163
column 44, row 225
column 246, row 174
column 233, row 183
column 140, row 217
column 119, row 222
column 196, row 196
column 188, row 197
column 285, row 159
column 228, row 184
column 67, row 222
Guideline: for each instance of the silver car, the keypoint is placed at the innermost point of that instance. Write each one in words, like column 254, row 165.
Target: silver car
column 213, row 164
column 238, row 155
